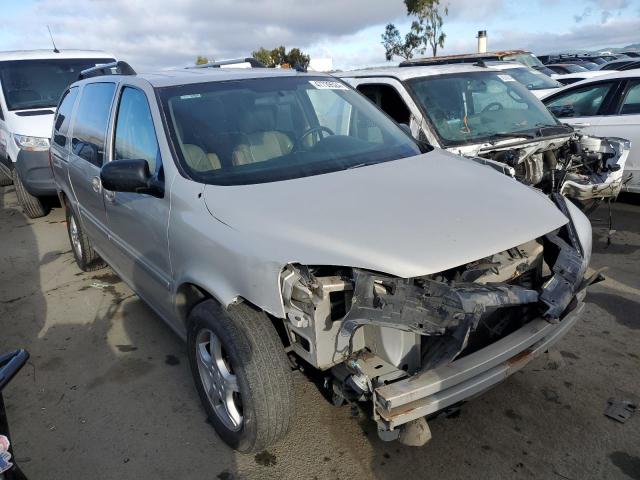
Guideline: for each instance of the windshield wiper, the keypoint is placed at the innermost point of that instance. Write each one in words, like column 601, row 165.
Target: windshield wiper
column 359, row 165
column 545, row 130
column 497, row 136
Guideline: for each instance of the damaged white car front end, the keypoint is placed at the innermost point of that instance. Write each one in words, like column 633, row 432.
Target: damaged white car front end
column 581, row 167
column 415, row 346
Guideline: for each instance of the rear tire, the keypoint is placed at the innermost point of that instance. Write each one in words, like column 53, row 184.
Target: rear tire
column 32, row 206
column 251, row 363
column 86, row 257
column 5, row 179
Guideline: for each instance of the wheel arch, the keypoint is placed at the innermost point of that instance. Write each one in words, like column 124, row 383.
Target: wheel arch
column 190, row 294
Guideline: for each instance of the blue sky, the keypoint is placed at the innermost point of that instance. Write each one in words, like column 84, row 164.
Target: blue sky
column 155, row 33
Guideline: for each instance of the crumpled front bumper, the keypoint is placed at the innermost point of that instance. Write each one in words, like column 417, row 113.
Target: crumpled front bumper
column 433, row 390
column 559, row 300
column 602, row 185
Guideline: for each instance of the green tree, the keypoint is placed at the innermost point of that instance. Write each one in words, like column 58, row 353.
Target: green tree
column 263, row 55
column 279, row 57
column 426, row 31
column 296, row 59
column 200, row 60
column 431, row 21
column 395, row 45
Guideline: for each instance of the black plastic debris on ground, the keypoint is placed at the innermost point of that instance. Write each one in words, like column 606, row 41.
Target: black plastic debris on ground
column 620, row 410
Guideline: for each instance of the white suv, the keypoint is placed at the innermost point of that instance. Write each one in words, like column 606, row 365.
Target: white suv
column 483, row 112
column 31, row 82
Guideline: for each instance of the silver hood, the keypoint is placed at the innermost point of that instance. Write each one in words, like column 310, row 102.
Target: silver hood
column 408, row 217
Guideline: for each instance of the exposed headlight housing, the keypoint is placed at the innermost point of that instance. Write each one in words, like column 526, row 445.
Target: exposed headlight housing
column 31, row 144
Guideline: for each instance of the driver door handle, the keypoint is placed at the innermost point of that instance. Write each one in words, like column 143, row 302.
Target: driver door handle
column 581, row 124
column 110, row 196
column 95, row 184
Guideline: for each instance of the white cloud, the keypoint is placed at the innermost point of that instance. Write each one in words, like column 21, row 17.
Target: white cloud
column 159, row 33
column 615, row 31
column 173, row 32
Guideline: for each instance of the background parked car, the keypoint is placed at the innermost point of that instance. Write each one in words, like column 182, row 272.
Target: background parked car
column 616, row 64
column 564, row 68
column 31, row 84
column 484, row 112
column 629, row 66
column 607, row 105
column 521, row 56
column 544, row 69
column 569, row 78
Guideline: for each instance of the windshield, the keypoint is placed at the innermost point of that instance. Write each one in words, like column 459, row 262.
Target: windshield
column 532, row 79
column 39, row 83
column 528, row 59
column 270, row 129
column 475, row 106
column 589, row 65
column 573, row 68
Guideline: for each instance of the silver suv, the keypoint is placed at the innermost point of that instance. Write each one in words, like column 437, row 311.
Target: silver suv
column 275, row 218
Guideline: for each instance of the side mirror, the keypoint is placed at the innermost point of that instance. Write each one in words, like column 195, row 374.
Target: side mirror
column 130, row 176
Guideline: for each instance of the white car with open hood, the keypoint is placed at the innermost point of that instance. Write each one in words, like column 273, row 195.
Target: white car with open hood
column 486, row 114
column 270, row 215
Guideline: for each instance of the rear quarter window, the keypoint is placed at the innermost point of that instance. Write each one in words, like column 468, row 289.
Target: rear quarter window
column 63, row 117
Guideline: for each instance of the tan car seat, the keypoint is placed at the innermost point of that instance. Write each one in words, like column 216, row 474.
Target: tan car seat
column 198, row 159
column 261, row 141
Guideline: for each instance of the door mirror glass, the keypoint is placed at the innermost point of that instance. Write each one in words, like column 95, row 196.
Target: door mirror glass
column 130, row 176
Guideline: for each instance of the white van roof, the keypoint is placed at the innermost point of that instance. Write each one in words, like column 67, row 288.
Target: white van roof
column 49, row 54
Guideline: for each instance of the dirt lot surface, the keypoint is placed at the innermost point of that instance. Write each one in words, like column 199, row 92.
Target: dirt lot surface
column 107, row 393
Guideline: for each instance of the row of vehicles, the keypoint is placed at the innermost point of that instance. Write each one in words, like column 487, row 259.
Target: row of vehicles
column 412, row 235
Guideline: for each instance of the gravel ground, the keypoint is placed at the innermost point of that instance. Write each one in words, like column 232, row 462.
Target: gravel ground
column 108, row 393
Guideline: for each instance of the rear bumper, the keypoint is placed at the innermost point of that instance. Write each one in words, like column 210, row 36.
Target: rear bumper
column 433, row 390
column 35, row 172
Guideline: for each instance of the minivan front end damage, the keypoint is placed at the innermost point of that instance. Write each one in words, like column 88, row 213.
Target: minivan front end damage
column 581, row 167
column 415, row 346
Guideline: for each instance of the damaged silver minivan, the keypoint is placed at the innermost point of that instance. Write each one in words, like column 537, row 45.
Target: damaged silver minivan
column 486, row 114
column 274, row 218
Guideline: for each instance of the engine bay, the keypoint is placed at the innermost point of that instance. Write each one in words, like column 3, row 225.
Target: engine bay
column 581, row 167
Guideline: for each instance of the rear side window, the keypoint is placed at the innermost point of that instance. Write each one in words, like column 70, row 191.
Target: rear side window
column 90, row 127
column 135, row 136
column 63, row 117
column 631, row 103
column 579, row 102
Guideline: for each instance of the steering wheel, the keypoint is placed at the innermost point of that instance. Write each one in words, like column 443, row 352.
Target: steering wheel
column 491, row 105
column 319, row 128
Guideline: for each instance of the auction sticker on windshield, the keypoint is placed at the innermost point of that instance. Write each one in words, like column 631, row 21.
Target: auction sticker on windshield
column 506, row 78
column 328, row 85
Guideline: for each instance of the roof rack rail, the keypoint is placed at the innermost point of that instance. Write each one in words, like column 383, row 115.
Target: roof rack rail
column 250, row 60
column 113, row 68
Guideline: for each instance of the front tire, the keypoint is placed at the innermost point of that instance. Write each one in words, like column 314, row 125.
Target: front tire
column 32, row 206
column 86, row 257
column 242, row 374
